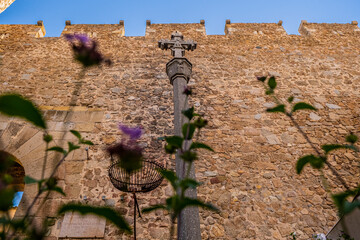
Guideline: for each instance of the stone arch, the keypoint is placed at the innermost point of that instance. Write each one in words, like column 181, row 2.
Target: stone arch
column 15, row 169
column 25, row 143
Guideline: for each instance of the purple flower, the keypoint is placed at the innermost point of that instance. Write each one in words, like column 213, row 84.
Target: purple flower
column 133, row 133
column 69, row 37
column 187, row 90
column 128, row 152
column 85, row 50
column 128, row 156
column 83, row 38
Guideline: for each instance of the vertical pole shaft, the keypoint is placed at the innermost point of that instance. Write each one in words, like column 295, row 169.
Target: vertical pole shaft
column 180, row 104
column 188, row 220
column 179, row 70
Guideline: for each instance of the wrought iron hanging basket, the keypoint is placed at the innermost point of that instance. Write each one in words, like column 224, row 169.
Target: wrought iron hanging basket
column 143, row 180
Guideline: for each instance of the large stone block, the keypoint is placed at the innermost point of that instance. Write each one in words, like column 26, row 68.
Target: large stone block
column 75, row 225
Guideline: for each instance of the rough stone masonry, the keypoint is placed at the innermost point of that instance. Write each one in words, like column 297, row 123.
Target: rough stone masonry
column 4, row 4
column 251, row 177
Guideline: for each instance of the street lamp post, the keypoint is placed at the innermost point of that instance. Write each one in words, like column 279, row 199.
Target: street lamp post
column 179, row 70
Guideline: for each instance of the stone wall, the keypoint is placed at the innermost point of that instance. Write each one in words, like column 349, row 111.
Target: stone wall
column 4, row 4
column 251, row 177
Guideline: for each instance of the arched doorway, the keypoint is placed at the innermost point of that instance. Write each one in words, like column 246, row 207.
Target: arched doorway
column 12, row 183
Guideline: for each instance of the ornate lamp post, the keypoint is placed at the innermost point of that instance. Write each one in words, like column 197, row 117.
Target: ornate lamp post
column 179, row 70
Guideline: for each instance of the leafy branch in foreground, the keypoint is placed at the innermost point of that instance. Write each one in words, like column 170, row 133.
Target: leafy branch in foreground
column 319, row 159
column 15, row 105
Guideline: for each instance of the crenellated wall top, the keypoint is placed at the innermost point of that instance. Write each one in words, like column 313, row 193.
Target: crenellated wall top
column 20, row 31
column 329, row 29
column 95, row 30
column 191, row 30
column 254, row 29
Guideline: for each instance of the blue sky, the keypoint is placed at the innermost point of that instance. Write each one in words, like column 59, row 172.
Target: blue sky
column 214, row 12
column 17, row 198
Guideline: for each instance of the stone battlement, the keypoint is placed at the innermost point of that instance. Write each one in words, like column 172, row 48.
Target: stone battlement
column 22, row 31
column 334, row 29
column 246, row 29
column 188, row 29
column 95, row 30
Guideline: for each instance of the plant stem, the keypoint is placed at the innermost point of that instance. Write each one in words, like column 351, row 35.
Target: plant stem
column 45, row 160
column 172, row 228
column 41, row 188
column 317, row 151
column 41, row 204
column 303, row 133
column 324, row 181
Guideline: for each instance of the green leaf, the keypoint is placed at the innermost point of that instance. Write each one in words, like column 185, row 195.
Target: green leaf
column 189, row 156
column 72, row 147
column 108, row 213
column 200, row 122
column 261, row 78
column 7, row 178
column 30, row 180
column 350, row 206
column 195, row 145
column 16, row 106
column 290, row 99
column 188, row 131
column 316, row 162
column 59, row 190
column 170, row 176
column 340, row 199
column 57, row 149
column 278, row 108
column 87, row 142
column 272, row 83
column 7, row 196
column 300, row 164
column 189, row 202
column 189, row 113
column 302, row 106
column 175, row 141
column 173, row 204
column 47, row 138
column 51, row 183
column 170, row 149
column 269, row 92
column 153, row 208
column 331, row 147
column 189, row 183
column 76, row 134
column 352, row 138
